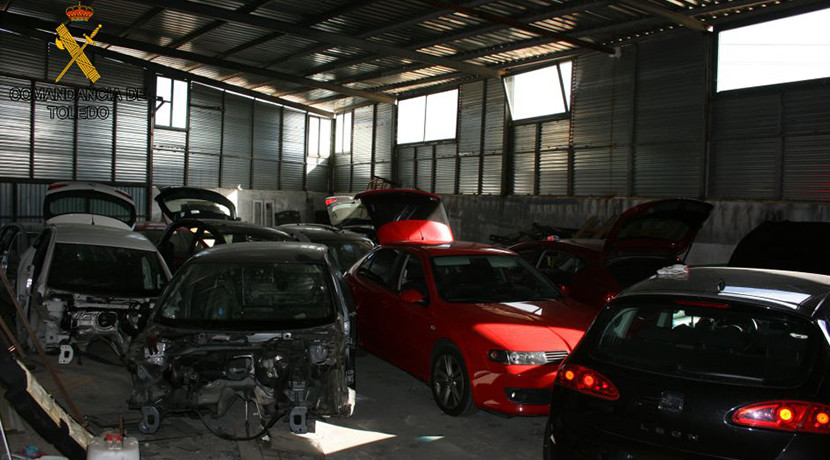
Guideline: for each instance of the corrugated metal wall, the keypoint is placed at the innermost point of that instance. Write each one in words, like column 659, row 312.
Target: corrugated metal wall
column 373, row 137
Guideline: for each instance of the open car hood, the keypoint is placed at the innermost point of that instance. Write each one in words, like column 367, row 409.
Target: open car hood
column 88, row 203
column 346, row 210
column 180, row 202
column 664, row 228
column 407, row 216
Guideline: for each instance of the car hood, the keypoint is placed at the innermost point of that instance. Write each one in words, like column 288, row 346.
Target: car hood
column 180, row 202
column 664, row 228
column 407, row 216
column 526, row 325
column 84, row 202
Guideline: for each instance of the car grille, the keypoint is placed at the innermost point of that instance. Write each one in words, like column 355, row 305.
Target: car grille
column 555, row 356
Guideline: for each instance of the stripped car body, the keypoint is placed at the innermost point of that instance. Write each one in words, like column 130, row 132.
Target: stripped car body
column 266, row 323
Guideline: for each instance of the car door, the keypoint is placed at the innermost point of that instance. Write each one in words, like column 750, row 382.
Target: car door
column 373, row 296
column 414, row 324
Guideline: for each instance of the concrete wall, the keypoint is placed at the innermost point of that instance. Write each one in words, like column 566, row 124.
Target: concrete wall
column 474, row 218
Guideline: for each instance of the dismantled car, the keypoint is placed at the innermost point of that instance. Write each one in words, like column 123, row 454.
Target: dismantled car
column 201, row 219
column 85, row 282
column 700, row 364
column 785, row 245
column 478, row 323
column 259, row 324
column 346, row 247
column 643, row 239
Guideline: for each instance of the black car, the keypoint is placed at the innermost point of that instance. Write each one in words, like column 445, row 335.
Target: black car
column 785, row 245
column 704, row 363
column 261, row 325
column 346, row 247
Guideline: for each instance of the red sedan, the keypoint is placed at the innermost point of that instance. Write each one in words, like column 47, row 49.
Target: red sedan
column 478, row 323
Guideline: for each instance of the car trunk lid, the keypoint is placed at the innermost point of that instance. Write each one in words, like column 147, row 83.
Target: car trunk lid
column 407, row 216
column 344, row 210
column 663, row 228
column 88, row 203
column 180, row 202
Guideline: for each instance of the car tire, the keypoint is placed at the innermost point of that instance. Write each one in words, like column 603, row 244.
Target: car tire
column 548, row 448
column 450, row 383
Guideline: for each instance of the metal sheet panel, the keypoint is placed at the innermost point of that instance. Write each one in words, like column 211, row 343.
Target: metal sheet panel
column 445, row 150
column 317, row 177
column 362, row 139
column 168, row 157
column 291, row 176
column 668, row 170
column 553, row 172
column 237, row 127
column 807, row 168
column 342, row 177
column 602, row 112
column 139, row 195
column 424, row 180
column 203, row 170
column 494, row 118
column 524, row 138
column 53, row 140
column 471, row 104
column 205, row 130
column 491, row 176
column 746, row 117
column 266, row 131
column 15, row 134
column 445, row 175
column 600, row 171
column 202, row 95
column 361, row 176
column 406, row 167
column 131, row 141
column 807, row 111
column 468, row 176
column 554, row 134
column 266, row 174
column 384, row 131
column 293, row 136
column 236, row 172
column 6, row 203
column 57, row 61
column 24, row 56
column 30, row 201
column 383, row 169
column 114, row 74
column 95, row 141
column 524, row 173
column 744, row 168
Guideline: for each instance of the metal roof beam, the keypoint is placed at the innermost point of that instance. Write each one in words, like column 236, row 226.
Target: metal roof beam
column 205, row 10
column 521, row 25
column 190, row 56
column 8, row 22
column 664, row 13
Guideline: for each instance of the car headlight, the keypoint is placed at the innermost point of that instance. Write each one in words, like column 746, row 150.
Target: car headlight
column 518, row 357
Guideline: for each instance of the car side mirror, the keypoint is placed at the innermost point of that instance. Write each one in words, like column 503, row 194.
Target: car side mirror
column 412, row 296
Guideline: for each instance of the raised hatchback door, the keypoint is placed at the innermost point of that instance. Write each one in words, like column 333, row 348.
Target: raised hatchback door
column 180, row 202
column 88, row 203
column 407, row 216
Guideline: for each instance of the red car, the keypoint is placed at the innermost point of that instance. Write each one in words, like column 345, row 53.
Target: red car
column 478, row 323
column 644, row 239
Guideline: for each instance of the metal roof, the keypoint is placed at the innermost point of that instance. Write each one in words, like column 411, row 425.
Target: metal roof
column 333, row 54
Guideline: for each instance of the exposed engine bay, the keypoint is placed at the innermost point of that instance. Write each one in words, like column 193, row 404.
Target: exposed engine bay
column 77, row 320
column 302, row 373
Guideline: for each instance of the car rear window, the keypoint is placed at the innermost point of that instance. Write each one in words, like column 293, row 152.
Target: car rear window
column 714, row 342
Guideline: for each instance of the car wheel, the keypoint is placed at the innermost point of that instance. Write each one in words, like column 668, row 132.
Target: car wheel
column 450, row 383
column 548, row 448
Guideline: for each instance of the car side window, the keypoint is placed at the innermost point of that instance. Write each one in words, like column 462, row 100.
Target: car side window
column 553, row 261
column 529, row 255
column 379, row 268
column 412, row 275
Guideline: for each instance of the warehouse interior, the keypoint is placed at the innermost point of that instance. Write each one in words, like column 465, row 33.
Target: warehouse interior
column 279, row 104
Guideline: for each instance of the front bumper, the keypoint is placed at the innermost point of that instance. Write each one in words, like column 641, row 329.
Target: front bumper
column 514, row 389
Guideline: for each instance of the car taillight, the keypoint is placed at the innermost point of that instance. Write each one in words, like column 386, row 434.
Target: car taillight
column 610, row 296
column 586, row 381
column 701, row 303
column 785, row 416
column 330, row 201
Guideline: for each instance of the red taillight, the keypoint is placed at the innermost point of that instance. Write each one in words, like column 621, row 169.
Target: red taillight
column 700, row 303
column 785, row 416
column 586, row 381
column 610, row 296
column 330, row 201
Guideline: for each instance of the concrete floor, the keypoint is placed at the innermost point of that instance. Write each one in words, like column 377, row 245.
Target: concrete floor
column 395, row 417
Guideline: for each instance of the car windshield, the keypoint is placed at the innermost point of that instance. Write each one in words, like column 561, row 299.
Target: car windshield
column 488, row 278
column 725, row 344
column 106, row 270
column 346, row 253
column 248, row 236
column 248, row 296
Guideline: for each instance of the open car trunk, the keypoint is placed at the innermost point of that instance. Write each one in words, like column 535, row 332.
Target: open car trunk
column 180, row 202
column 407, row 216
column 663, row 229
column 88, row 203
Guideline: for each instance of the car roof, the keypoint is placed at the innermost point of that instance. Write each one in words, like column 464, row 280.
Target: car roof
column 321, row 232
column 97, row 235
column 457, row 248
column 798, row 292
column 230, row 226
column 273, row 251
